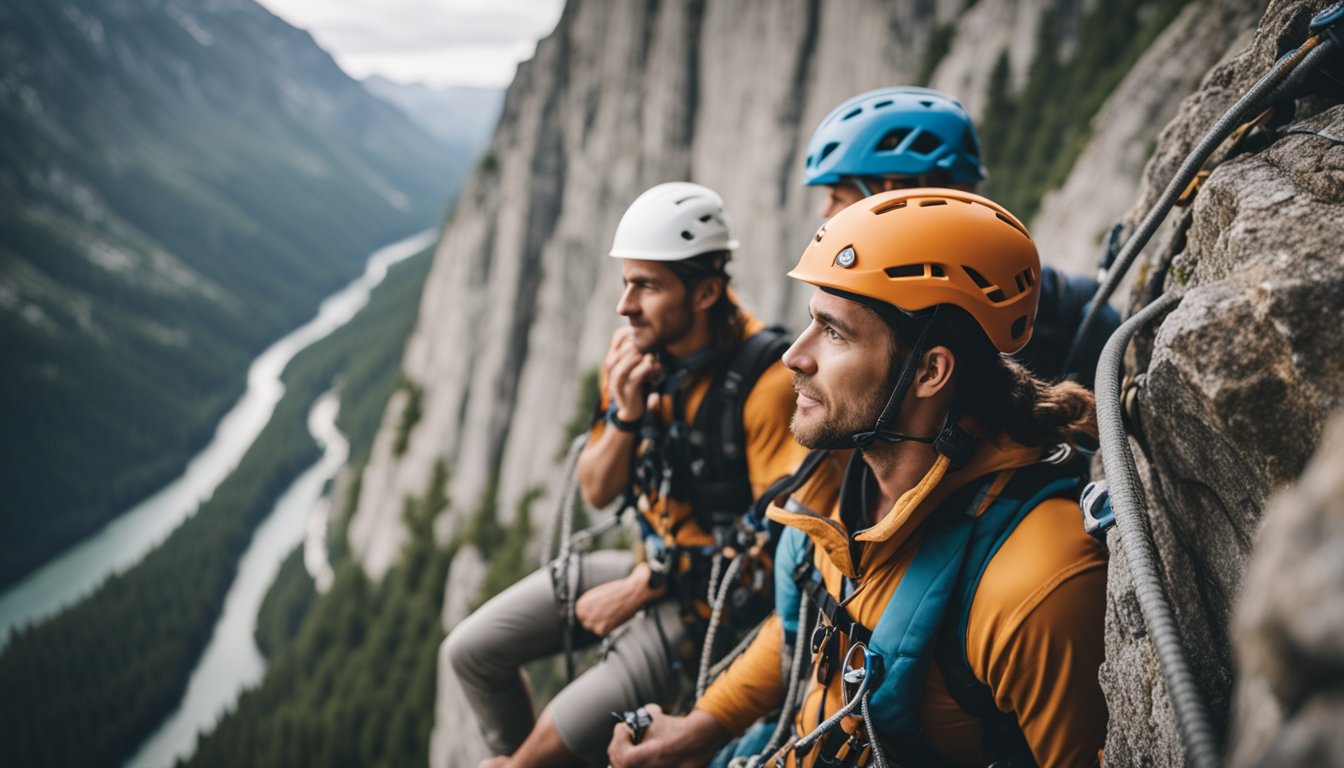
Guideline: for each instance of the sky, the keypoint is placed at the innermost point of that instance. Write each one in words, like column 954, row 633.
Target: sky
column 436, row 42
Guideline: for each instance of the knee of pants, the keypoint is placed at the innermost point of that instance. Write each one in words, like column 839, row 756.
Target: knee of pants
column 467, row 651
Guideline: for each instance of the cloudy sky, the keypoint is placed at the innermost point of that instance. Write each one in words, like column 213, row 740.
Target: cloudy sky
column 439, row 42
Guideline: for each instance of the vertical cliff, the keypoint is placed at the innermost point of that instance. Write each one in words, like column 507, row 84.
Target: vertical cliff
column 621, row 96
column 1232, row 389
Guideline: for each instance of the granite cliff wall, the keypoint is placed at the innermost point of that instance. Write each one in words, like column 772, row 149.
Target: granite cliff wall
column 519, row 305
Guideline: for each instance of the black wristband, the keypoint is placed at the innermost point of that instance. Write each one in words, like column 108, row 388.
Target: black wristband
column 631, row 426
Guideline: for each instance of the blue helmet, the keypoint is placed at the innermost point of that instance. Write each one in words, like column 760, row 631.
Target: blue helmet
column 902, row 131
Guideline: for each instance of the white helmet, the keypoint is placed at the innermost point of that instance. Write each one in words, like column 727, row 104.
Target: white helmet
column 672, row 222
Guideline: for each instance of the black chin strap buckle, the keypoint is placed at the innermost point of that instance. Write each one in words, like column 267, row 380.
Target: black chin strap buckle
column 956, row 444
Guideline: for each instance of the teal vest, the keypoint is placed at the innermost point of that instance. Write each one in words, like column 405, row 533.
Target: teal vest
column 926, row 619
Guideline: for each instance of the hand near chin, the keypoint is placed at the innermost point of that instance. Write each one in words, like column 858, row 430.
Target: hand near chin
column 629, row 372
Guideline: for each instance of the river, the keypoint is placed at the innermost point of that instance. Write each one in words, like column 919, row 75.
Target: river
column 123, row 542
column 232, row 660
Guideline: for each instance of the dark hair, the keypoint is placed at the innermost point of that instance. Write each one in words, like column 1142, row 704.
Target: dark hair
column 724, row 318
column 999, row 392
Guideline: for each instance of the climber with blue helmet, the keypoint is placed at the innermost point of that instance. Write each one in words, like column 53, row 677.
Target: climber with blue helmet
column 906, row 136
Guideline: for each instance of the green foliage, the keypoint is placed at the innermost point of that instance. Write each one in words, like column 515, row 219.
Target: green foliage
column 168, row 209
column 356, row 688
column 410, row 414
column 1032, row 137
column 87, row 686
column 285, row 606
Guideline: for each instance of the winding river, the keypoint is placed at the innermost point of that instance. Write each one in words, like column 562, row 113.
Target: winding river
column 232, row 660
column 123, row 542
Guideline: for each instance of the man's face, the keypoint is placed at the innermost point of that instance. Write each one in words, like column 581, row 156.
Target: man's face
column 656, row 304
column 839, row 197
column 841, row 370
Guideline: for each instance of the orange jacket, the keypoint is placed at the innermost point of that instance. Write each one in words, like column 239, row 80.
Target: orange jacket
column 771, row 451
column 1035, row 629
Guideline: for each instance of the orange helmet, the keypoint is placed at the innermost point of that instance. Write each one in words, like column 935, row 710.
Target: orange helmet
column 919, row 248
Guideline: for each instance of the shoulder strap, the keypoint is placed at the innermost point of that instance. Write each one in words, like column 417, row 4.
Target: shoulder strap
column 718, row 484
column 1028, row 488
column 730, row 389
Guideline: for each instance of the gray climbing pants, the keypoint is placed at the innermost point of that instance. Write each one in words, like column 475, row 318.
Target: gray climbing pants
column 522, row 623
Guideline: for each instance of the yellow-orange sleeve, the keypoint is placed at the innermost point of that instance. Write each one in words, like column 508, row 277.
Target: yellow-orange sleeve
column 1036, row 634
column 751, row 687
column 772, row 452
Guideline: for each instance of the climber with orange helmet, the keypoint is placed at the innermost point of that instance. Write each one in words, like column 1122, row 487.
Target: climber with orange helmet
column 944, row 606
column 691, row 426
column 906, row 136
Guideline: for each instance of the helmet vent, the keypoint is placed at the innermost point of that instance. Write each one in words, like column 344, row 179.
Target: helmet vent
column 826, row 151
column 907, row 270
column 926, row 103
column 937, row 270
column 968, row 142
column 705, row 219
column 889, row 207
column 995, row 296
column 1019, row 327
column 925, row 143
column 852, row 113
column 976, row 277
column 1028, row 276
column 892, row 139
column 883, row 103
column 686, row 235
column 927, row 203
column 1012, row 224
column 1020, row 285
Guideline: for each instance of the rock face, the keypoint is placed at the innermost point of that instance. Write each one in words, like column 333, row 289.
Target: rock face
column 520, row 301
column 622, row 96
column 1290, row 700
column 1236, row 383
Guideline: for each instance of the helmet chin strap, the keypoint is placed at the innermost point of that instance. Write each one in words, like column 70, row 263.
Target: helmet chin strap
column 953, row 441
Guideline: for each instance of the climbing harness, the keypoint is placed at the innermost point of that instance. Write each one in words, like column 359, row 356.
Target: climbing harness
column 1288, row 71
column 704, row 463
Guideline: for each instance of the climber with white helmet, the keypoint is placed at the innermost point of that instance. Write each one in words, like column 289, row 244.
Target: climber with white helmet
column 692, row 425
column 905, row 136
column 944, row 606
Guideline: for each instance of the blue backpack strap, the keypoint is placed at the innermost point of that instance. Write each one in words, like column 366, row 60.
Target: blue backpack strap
column 1029, row 487
column 905, row 633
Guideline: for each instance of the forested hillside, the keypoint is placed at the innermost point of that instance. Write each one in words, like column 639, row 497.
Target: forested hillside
column 180, row 183
column 87, row 686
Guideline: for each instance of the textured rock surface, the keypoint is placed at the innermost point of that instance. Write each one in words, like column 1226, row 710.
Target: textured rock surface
column 1290, row 691
column 1238, row 380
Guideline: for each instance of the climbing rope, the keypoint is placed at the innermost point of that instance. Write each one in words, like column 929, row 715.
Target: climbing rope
column 564, row 573
column 1286, row 71
column 1131, row 518
column 796, row 675
column 715, row 618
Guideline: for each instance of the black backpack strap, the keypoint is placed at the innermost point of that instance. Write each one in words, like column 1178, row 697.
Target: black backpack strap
column 719, row 486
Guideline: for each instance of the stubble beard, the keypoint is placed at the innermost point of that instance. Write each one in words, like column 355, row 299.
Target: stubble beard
column 838, row 421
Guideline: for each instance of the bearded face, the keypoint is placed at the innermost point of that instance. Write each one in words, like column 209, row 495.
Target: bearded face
column 842, row 371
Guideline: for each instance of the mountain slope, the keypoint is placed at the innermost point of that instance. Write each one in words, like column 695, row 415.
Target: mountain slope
column 462, row 117
column 180, row 183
